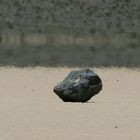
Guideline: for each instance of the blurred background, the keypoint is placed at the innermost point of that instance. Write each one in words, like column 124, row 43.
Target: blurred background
column 70, row 33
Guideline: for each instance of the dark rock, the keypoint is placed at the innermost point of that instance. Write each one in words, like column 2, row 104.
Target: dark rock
column 79, row 86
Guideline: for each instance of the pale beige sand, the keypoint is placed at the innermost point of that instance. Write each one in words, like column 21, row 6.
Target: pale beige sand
column 29, row 110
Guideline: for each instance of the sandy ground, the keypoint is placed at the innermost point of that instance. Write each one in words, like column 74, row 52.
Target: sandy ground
column 29, row 110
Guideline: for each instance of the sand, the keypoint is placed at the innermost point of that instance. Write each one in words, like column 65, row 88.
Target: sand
column 29, row 110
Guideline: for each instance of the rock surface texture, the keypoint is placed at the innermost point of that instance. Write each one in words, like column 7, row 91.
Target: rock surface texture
column 79, row 86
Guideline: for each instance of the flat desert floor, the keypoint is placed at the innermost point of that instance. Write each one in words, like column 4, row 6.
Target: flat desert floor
column 29, row 110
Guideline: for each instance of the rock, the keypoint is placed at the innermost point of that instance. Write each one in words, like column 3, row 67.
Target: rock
column 79, row 86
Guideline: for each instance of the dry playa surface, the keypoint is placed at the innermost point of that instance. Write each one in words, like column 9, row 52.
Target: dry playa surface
column 29, row 110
